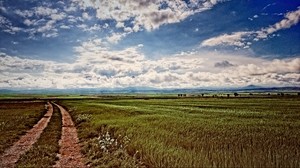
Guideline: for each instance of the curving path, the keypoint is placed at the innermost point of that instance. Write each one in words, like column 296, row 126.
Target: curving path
column 69, row 153
column 12, row 154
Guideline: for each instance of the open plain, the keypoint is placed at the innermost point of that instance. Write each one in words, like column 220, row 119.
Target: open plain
column 163, row 131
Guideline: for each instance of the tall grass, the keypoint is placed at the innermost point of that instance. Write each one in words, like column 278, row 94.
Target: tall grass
column 195, row 132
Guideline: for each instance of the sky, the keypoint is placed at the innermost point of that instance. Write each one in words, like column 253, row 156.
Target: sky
column 149, row 43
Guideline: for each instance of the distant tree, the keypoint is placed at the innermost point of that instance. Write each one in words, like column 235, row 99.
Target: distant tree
column 299, row 94
column 235, row 94
column 269, row 94
column 228, row 95
column 251, row 94
column 202, row 95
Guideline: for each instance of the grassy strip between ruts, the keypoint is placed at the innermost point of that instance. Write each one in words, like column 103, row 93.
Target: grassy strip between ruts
column 44, row 151
column 16, row 118
column 190, row 132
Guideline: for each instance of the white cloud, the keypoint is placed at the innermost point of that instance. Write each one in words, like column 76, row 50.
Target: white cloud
column 24, row 13
column 3, row 9
column 241, row 39
column 28, row 22
column 65, row 27
column 234, row 39
column 44, row 11
column 12, row 30
column 99, row 66
column 4, row 21
column 86, row 16
column 291, row 19
column 47, row 27
column 115, row 37
column 146, row 14
column 58, row 16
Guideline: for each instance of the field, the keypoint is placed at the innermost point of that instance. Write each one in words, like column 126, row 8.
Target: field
column 16, row 118
column 189, row 132
column 163, row 131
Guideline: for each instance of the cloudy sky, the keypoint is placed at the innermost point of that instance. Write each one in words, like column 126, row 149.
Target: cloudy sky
column 149, row 43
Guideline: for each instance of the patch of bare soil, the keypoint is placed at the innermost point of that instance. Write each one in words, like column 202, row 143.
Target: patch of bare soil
column 69, row 153
column 12, row 154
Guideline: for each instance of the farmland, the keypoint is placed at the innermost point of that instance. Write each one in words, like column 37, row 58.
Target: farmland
column 163, row 131
column 189, row 132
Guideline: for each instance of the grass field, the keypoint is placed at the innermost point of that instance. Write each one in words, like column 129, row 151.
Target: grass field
column 16, row 118
column 44, row 151
column 189, row 132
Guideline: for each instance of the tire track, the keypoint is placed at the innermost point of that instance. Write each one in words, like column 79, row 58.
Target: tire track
column 69, row 153
column 12, row 154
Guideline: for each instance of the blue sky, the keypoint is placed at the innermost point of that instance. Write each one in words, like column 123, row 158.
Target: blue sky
column 158, row 43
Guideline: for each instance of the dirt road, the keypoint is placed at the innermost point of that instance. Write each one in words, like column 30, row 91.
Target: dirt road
column 69, row 153
column 12, row 154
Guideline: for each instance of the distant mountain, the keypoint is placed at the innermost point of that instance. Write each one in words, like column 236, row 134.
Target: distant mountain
column 252, row 87
column 127, row 90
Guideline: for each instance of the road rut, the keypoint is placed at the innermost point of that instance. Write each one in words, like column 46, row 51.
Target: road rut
column 69, row 153
column 12, row 154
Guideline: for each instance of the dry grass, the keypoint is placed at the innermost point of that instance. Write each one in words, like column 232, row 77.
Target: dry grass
column 16, row 118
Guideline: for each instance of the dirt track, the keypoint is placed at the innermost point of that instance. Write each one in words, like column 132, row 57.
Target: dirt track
column 69, row 153
column 12, row 154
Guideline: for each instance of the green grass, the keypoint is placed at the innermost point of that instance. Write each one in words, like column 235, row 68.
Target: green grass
column 44, row 151
column 16, row 118
column 191, row 132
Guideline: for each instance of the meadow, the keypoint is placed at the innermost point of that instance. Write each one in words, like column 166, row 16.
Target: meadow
column 189, row 132
column 16, row 118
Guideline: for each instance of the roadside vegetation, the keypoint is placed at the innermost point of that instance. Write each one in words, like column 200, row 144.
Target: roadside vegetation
column 189, row 132
column 44, row 151
column 16, row 118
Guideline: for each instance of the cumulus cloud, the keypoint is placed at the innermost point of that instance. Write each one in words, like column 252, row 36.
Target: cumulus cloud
column 243, row 38
column 99, row 66
column 115, row 37
column 146, row 14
